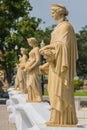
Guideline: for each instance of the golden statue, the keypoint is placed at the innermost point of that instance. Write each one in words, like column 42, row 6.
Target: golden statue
column 32, row 69
column 61, row 56
column 20, row 80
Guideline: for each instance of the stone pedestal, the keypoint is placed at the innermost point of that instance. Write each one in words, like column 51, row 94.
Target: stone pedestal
column 32, row 116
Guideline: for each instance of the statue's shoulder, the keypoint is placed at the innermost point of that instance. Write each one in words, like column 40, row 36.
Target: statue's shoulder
column 67, row 26
column 36, row 48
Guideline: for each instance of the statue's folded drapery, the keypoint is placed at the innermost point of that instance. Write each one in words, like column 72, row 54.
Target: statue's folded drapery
column 61, row 74
column 20, row 80
column 33, row 77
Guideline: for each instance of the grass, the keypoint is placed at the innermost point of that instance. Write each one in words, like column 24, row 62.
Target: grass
column 80, row 93
column 45, row 93
column 75, row 93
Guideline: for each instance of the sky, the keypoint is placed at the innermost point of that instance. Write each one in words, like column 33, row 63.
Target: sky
column 77, row 12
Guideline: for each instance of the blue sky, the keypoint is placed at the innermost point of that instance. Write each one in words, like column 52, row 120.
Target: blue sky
column 77, row 12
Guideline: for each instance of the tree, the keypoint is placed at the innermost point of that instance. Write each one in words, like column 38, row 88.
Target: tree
column 10, row 12
column 82, row 50
column 78, row 84
column 15, row 26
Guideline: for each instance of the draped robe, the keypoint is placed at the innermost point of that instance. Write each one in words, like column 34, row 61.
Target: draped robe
column 20, row 80
column 61, row 74
column 33, row 78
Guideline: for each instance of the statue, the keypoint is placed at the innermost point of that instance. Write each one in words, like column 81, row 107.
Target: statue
column 61, row 56
column 20, row 80
column 32, row 69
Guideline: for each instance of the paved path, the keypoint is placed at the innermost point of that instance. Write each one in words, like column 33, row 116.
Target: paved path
column 4, row 124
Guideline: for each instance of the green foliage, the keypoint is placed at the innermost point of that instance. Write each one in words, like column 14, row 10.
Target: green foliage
column 78, row 84
column 10, row 12
column 82, row 50
column 15, row 26
column 47, row 34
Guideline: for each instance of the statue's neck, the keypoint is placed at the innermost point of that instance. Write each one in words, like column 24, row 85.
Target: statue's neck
column 61, row 19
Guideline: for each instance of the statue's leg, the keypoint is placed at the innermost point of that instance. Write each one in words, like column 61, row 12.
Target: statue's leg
column 55, row 118
column 21, row 88
column 30, row 94
column 64, row 118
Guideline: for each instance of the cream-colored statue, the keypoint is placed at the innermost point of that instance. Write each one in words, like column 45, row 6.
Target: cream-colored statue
column 61, row 56
column 20, row 80
column 32, row 69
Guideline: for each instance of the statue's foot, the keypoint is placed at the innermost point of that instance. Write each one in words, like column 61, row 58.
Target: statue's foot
column 18, row 90
column 27, row 100
column 32, row 101
column 50, row 123
column 15, row 88
column 21, row 92
column 37, row 101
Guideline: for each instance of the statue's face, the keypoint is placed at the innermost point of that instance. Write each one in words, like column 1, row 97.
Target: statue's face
column 21, row 51
column 55, row 13
column 30, row 43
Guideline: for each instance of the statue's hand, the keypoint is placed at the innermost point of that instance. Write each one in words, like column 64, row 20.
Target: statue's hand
column 22, row 66
column 29, row 69
column 43, row 69
column 40, row 69
column 26, row 66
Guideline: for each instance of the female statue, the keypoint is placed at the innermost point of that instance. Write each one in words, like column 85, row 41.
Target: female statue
column 20, row 80
column 32, row 69
column 61, row 56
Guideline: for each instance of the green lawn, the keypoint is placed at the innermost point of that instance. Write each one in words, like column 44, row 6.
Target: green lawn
column 80, row 94
column 45, row 93
column 75, row 93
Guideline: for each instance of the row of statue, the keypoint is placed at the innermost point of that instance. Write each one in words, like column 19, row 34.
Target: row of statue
column 61, row 55
column 28, row 78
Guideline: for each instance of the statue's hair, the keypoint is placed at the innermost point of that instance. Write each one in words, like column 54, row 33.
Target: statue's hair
column 61, row 9
column 32, row 39
column 23, row 49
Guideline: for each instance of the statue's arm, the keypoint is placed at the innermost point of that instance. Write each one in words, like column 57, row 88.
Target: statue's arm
column 23, row 62
column 44, row 69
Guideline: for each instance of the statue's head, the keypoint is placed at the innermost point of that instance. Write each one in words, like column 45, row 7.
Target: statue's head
column 58, row 10
column 32, row 41
column 23, row 50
